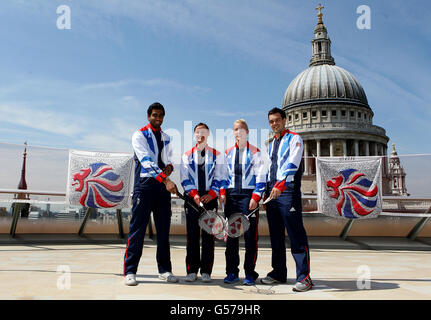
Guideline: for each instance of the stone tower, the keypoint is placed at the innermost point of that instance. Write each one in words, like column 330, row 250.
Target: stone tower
column 397, row 175
column 22, row 185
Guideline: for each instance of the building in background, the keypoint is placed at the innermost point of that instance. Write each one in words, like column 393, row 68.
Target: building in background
column 397, row 175
column 22, row 185
column 328, row 107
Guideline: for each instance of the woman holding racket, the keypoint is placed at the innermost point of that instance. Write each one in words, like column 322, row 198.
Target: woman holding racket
column 201, row 178
column 245, row 182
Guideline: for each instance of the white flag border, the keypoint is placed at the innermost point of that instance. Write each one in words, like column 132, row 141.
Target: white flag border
column 336, row 159
column 87, row 153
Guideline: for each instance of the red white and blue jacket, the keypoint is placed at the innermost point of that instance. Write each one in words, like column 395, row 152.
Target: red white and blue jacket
column 253, row 170
column 289, row 158
column 213, row 171
column 146, row 150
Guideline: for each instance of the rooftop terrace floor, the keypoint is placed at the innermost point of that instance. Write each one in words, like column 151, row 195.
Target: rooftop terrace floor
column 36, row 271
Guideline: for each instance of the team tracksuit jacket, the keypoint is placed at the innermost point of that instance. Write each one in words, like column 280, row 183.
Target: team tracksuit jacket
column 253, row 171
column 213, row 171
column 146, row 149
column 288, row 156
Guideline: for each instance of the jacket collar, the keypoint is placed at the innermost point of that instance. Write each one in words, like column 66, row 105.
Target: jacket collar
column 196, row 147
column 237, row 147
column 282, row 133
column 152, row 128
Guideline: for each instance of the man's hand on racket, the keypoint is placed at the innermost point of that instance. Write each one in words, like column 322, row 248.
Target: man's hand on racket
column 275, row 193
column 263, row 202
column 206, row 198
column 197, row 200
column 170, row 186
column 253, row 205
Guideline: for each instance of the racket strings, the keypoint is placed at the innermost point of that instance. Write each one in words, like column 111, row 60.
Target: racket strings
column 237, row 225
column 212, row 223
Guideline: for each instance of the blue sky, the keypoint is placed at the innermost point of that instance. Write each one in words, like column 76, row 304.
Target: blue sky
column 212, row 61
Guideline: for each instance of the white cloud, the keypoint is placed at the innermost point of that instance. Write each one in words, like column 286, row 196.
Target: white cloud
column 105, row 85
column 104, row 142
column 130, row 103
column 62, row 108
column 45, row 120
column 271, row 32
column 265, row 30
column 395, row 106
column 164, row 83
column 223, row 113
column 123, row 129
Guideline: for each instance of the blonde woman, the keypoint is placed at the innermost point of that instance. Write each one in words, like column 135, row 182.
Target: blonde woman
column 244, row 184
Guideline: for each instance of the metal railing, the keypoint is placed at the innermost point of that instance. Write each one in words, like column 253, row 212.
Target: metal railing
column 404, row 207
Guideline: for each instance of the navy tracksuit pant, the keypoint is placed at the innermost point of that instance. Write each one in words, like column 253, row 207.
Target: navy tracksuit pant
column 194, row 260
column 286, row 212
column 234, row 204
column 153, row 197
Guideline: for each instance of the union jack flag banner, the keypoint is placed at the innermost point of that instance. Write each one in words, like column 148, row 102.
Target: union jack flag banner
column 99, row 180
column 349, row 187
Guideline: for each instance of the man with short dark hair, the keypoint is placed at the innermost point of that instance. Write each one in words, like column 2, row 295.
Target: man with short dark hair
column 151, row 192
column 285, row 208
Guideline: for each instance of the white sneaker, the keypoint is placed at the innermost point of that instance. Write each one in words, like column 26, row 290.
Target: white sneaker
column 191, row 277
column 168, row 276
column 303, row 286
column 206, row 277
column 268, row 280
column 130, row 280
